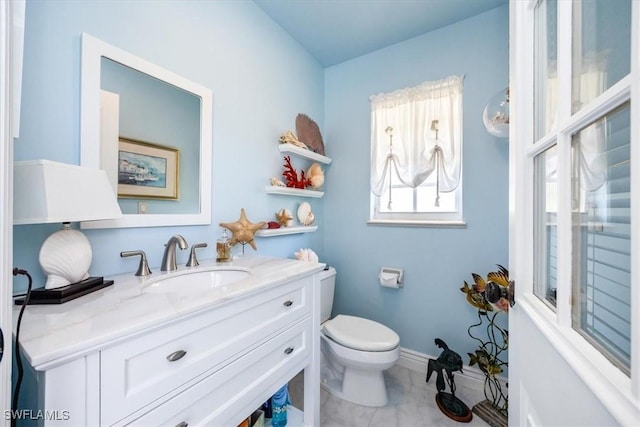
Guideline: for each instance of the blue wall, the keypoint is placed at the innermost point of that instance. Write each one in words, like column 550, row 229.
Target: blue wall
column 436, row 260
column 260, row 78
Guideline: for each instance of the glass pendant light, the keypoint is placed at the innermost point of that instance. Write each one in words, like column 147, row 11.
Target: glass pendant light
column 496, row 114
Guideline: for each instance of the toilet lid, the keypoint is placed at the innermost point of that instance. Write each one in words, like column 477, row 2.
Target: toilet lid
column 361, row 334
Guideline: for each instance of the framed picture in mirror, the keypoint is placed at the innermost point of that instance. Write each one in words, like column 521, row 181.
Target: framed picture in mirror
column 147, row 171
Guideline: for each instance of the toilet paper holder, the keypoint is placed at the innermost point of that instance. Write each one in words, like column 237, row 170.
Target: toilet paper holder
column 391, row 277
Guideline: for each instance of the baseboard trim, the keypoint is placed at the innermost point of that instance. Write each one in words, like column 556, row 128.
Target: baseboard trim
column 417, row 361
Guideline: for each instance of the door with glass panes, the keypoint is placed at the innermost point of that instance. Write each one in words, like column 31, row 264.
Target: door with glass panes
column 574, row 203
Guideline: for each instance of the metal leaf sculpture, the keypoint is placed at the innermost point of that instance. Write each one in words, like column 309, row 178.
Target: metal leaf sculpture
column 491, row 296
column 309, row 133
column 500, row 277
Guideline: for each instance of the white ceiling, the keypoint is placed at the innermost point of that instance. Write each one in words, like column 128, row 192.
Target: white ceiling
column 335, row 31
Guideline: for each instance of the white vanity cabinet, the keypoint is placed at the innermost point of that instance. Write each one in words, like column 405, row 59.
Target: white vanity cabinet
column 214, row 366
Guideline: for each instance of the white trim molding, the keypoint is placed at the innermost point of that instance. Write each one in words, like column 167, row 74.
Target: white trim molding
column 12, row 15
column 416, row 361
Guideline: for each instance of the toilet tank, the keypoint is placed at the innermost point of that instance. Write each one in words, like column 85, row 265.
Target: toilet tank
column 327, row 288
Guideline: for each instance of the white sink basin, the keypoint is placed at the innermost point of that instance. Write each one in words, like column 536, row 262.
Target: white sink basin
column 196, row 281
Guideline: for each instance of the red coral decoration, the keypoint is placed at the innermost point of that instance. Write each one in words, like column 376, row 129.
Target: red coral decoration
column 291, row 175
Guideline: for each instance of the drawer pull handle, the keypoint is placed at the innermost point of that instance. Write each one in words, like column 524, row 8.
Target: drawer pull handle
column 288, row 303
column 288, row 350
column 175, row 356
column 182, row 424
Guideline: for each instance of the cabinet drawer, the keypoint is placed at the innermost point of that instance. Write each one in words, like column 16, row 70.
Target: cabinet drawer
column 161, row 363
column 227, row 392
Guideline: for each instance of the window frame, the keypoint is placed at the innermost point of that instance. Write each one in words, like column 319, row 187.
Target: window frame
column 453, row 218
column 425, row 218
column 618, row 392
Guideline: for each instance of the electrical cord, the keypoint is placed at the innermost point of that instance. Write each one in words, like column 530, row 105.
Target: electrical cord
column 16, row 392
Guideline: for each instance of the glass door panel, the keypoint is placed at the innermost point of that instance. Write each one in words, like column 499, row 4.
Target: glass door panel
column 546, row 76
column 601, row 47
column 601, row 191
column 545, row 227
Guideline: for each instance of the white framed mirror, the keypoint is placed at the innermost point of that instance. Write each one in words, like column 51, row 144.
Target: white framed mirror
column 151, row 130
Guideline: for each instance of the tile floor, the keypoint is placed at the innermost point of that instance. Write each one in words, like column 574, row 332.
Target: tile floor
column 411, row 403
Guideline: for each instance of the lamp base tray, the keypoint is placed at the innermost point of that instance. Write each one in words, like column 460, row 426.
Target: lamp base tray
column 65, row 293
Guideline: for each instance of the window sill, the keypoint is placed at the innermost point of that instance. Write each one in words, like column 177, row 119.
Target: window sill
column 416, row 223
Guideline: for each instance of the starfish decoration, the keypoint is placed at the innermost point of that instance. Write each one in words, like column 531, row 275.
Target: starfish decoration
column 242, row 230
column 283, row 217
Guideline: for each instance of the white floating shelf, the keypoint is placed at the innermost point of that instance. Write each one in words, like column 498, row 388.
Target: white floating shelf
column 287, row 191
column 282, row 231
column 302, row 152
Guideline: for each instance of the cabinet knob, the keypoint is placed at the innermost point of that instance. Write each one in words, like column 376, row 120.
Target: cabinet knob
column 176, row 355
column 288, row 303
column 288, row 350
column 182, row 424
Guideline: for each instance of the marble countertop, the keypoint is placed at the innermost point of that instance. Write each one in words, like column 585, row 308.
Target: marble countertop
column 53, row 334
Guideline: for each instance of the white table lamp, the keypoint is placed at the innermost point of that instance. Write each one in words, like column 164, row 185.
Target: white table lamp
column 48, row 192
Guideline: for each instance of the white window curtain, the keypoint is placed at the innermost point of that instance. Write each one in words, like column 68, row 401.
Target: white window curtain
column 589, row 83
column 404, row 140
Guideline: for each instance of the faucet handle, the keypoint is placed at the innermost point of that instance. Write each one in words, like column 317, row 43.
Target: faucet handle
column 143, row 267
column 193, row 260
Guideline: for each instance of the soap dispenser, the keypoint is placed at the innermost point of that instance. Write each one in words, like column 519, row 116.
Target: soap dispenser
column 223, row 247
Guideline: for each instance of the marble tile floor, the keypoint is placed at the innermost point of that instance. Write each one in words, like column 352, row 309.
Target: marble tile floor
column 411, row 403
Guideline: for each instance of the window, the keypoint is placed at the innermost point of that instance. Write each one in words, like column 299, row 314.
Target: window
column 416, row 154
column 582, row 141
column 602, row 235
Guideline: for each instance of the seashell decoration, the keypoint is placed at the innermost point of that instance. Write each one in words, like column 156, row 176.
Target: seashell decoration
column 243, row 230
column 305, row 216
column 290, row 138
column 306, row 255
column 315, row 175
column 284, row 217
column 309, row 219
column 276, row 182
column 309, row 132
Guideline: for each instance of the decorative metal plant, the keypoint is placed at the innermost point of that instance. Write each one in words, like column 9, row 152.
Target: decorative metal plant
column 491, row 297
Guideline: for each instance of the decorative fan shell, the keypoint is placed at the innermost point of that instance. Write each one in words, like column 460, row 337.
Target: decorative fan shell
column 309, row 133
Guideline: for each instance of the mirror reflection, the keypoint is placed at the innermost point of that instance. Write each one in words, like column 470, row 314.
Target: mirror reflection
column 150, row 113
column 151, row 131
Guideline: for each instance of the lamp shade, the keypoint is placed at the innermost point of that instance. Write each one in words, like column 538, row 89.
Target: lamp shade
column 46, row 192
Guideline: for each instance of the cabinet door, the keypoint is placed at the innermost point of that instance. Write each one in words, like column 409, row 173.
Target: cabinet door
column 231, row 394
column 161, row 363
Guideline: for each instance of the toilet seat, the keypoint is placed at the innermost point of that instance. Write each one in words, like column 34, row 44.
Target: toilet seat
column 361, row 334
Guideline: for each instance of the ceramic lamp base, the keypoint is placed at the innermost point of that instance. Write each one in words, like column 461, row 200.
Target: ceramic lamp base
column 65, row 257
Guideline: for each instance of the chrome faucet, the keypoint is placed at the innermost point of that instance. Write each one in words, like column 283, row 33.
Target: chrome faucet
column 193, row 260
column 143, row 267
column 169, row 257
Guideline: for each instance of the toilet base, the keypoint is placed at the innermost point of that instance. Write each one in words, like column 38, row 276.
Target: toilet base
column 359, row 387
column 355, row 375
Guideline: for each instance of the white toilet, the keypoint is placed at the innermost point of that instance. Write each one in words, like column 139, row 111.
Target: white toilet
column 355, row 352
